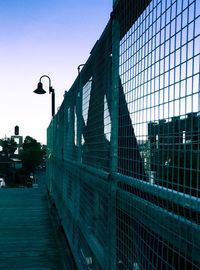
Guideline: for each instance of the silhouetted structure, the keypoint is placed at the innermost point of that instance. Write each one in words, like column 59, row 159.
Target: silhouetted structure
column 174, row 153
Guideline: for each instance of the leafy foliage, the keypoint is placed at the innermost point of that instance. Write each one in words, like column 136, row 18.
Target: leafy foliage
column 9, row 146
column 32, row 154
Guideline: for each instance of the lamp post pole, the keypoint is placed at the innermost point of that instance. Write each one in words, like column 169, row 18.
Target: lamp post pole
column 40, row 91
column 52, row 103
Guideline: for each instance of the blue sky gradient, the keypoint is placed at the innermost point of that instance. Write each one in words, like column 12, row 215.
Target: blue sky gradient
column 40, row 37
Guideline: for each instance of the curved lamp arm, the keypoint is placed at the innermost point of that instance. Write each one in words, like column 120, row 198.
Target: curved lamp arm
column 40, row 90
column 79, row 67
column 50, row 88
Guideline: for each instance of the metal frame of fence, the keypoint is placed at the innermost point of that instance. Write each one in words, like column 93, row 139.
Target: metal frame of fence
column 124, row 147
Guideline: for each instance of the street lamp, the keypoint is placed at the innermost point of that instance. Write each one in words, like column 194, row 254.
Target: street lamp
column 41, row 91
column 79, row 67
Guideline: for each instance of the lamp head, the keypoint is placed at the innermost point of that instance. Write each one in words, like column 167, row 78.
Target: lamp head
column 39, row 89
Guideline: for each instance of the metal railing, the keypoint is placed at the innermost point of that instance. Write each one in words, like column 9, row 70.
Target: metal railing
column 124, row 161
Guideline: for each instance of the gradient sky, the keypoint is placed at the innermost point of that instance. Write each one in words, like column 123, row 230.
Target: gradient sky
column 38, row 37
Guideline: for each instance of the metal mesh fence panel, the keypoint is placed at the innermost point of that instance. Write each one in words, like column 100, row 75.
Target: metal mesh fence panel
column 159, row 135
column 96, row 106
column 124, row 150
column 159, row 76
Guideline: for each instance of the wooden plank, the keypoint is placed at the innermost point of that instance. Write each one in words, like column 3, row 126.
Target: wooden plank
column 27, row 237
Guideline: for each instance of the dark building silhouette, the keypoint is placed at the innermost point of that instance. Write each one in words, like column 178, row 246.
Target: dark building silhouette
column 174, row 153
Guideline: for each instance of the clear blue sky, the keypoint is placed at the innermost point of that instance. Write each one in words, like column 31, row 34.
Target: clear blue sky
column 40, row 37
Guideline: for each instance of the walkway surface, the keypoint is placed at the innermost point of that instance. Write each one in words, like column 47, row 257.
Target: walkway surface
column 28, row 239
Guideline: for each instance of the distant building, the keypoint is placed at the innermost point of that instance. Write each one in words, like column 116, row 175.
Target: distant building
column 175, row 153
column 19, row 140
column 7, row 169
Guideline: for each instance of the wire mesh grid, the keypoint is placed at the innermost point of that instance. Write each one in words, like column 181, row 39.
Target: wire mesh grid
column 93, row 209
column 159, row 72
column 96, row 111
column 159, row 79
column 125, row 167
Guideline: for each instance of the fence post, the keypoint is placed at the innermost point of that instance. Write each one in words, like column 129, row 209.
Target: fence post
column 77, row 182
column 114, row 138
column 79, row 116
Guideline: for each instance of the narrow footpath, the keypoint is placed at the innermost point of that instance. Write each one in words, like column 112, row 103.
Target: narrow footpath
column 28, row 239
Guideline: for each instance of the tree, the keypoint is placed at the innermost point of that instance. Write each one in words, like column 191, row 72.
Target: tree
column 9, row 146
column 32, row 154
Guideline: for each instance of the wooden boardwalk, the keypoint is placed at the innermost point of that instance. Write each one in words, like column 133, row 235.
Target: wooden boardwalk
column 28, row 240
